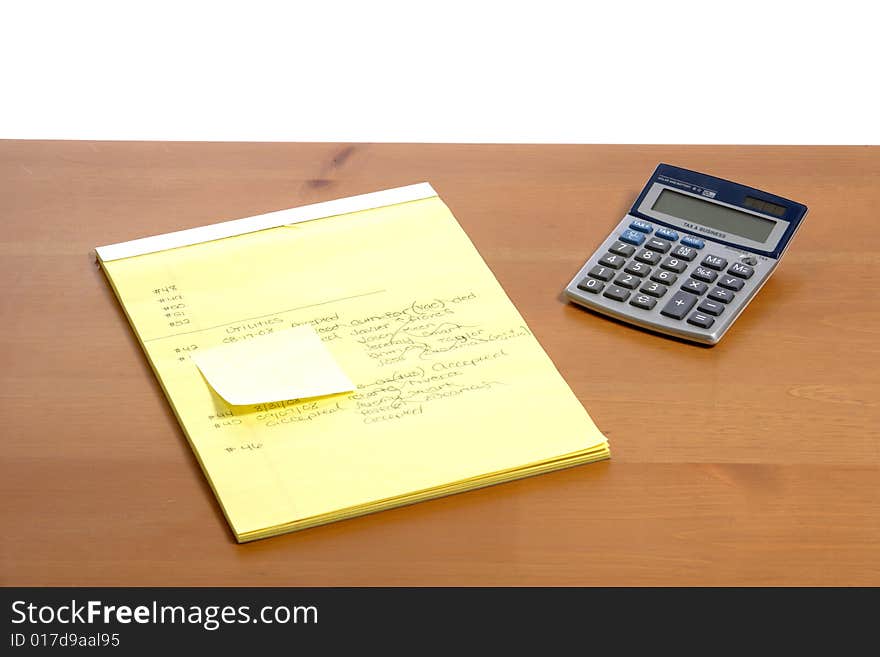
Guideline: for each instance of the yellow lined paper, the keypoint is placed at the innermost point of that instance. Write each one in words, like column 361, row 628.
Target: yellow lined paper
column 451, row 389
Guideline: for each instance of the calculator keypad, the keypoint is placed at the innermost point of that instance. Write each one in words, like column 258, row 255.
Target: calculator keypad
column 662, row 279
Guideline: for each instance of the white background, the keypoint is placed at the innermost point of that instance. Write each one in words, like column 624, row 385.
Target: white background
column 542, row 71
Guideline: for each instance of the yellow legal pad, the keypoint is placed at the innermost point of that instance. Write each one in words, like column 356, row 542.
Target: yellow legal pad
column 415, row 375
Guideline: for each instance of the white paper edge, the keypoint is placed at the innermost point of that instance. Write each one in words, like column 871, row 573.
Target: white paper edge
column 235, row 227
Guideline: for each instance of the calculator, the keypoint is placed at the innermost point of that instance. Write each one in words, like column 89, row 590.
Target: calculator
column 690, row 255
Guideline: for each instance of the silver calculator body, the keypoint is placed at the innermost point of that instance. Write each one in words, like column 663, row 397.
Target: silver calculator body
column 689, row 256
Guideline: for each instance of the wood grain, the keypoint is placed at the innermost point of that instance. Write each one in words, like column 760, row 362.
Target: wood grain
column 753, row 462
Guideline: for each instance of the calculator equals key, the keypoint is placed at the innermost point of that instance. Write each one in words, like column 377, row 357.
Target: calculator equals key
column 709, row 242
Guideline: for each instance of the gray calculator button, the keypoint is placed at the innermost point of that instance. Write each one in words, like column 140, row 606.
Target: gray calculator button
column 685, row 252
column 654, row 289
column 704, row 274
column 616, row 293
column 591, row 285
column 638, row 268
column 679, row 305
column 719, row 294
column 715, row 262
column 695, row 287
column 656, row 244
column 643, row 301
column 743, row 271
column 647, row 256
column 731, row 283
column 665, row 277
column 628, row 281
column 701, row 320
column 674, row 264
column 749, row 260
column 602, row 273
column 711, row 307
column 626, row 250
column 613, row 261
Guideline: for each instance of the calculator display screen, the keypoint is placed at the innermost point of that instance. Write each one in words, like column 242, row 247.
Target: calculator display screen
column 713, row 215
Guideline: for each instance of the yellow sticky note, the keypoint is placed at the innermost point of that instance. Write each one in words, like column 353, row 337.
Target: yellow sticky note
column 288, row 364
column 451, row 389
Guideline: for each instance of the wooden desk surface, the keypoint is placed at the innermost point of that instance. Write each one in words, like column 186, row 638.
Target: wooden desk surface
column 754, row 462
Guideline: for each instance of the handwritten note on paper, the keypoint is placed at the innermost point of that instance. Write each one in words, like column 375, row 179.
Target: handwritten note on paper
column 289, row 364
column 451, row 389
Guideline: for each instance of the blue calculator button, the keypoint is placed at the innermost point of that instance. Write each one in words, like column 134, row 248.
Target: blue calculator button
column 641, row 226
column 693, row 241
column 632, row 237
column 667, row 234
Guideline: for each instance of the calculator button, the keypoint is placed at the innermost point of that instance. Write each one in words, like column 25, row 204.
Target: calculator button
column 628, row 281
column 714, row 262
column 749, row 260
column 602, row 273
column 685, row 252
column 616, row 293
column 695, row 287
column 643, row 301
column 711, row 307
column 658, row 245
column 718, row 294
column 638, row 268
column 679, row 305
column 687, row 240
column 613, row 261
column 667, row 234
column 591, row 285
column 622, row 249
column 654, row 289
column 731, row 283
column 703, row 274
column 665, row 277
column 632, row 237
column 701, row 320
column 674, row 264
column 641, row 226
column 648, row 257
column 743, row 271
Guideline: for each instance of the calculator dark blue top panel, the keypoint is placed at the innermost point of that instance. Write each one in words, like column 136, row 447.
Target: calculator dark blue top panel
column 723, row 211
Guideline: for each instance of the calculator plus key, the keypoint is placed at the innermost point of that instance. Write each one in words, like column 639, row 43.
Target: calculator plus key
column 679, row 305
column 648, row 257
column 613, row 261
column 685, row 252
column 622, row 249
column 704, row 274
column 591, row 285
column 616, row 293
